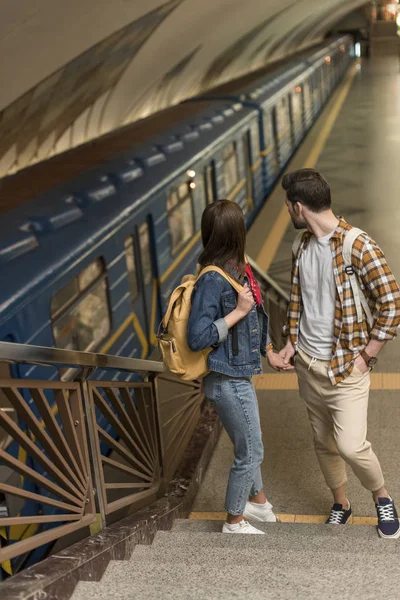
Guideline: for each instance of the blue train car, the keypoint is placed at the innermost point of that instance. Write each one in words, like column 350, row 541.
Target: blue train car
column 90, row 264
column 289, row 100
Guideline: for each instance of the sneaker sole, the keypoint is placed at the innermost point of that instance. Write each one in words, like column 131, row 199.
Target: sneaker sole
column 395, row 536
column 242, row 533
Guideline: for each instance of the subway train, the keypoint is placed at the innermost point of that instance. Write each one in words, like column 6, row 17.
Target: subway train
column 93, row 241
column 89, row 262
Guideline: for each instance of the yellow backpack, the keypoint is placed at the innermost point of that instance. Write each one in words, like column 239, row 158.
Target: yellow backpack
column 172, row 341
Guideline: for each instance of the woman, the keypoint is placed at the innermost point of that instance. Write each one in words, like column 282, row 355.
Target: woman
column 235, row 326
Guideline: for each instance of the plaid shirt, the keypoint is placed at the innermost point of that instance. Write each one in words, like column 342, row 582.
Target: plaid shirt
column 379, row 287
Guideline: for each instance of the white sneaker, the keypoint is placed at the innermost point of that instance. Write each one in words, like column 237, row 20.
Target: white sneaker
column 260, row 512
column 242, row 527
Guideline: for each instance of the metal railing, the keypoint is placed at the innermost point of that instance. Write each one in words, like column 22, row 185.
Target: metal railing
column 276, row 302
column 75, row 451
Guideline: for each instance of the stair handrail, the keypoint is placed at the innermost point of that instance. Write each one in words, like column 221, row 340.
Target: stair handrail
column 14, row 353
column 267, row 279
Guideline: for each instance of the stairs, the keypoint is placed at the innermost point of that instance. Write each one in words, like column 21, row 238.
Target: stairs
column 195, row 561
column 384, row 39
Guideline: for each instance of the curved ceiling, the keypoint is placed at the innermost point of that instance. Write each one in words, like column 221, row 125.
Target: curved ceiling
column 76, row 70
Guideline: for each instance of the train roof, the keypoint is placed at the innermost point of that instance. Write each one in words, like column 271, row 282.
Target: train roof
column 268, row 85
column 270, row 89
column 59, row 225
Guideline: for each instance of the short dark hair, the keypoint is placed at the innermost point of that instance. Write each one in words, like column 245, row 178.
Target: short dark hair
column 223, row 233
column 308, row 187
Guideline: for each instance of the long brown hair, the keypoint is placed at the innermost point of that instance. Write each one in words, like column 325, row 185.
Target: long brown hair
column 223, row 232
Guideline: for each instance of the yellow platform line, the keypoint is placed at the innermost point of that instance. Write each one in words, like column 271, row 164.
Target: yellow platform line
column 273, row 240
column 284, row 518
column 288, row 381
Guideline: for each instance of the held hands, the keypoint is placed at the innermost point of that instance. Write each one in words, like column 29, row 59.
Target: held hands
column 245, row 300
column 281, row 361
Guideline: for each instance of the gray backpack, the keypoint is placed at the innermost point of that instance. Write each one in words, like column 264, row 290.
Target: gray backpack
column 360, row 300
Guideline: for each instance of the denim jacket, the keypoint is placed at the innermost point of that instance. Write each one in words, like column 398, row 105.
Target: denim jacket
column 237, row 351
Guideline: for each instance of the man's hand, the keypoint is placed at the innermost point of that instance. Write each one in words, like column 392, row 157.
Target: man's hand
column 361, row 364
column 276, row 362
column 286, row 355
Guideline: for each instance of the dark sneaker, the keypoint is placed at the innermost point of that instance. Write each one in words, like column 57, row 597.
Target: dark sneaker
column 339, row 515
column 388, row 520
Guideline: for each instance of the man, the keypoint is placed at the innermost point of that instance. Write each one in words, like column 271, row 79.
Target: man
column 333, row 349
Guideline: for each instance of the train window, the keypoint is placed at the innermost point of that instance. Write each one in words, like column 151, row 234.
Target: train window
column 180, row 217
column 231, row 169
column 82, row 320
column 182, row 191
column 297, row 105
column 145, row 254
column 283, row 116
column 255, row 138
column 268, row 128
column 90, row 274
column 307, row 95
column 246, row 140
column 173, row 200
column 65, row 296
column 131, row 267
column 209, row 180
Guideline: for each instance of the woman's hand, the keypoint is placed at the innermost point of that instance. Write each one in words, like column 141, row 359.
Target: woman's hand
column 276, row 361
column 245, row 301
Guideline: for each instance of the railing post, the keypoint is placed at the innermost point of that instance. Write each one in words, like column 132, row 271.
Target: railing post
column 90, row 417
column 152, row 379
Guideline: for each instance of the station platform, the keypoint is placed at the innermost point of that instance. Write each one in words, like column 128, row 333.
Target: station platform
column 355, row 144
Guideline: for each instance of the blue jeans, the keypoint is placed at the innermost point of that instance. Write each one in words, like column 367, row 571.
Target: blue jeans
column 235, row 401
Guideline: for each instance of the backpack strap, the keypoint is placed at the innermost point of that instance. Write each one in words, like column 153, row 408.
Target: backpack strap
column 235, row 284
column 358, row 295
column 238, row 288
column 174, row 297
column 177, row 291
column 297, row 242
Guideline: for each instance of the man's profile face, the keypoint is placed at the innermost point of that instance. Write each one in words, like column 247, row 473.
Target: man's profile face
column 297, row 219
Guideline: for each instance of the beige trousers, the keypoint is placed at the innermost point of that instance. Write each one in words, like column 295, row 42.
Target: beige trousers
column 338, row 417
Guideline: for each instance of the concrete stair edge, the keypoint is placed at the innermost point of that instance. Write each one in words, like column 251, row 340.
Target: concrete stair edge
column 157, row 578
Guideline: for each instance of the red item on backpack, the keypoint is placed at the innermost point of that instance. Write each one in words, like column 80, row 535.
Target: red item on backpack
column 253, row 285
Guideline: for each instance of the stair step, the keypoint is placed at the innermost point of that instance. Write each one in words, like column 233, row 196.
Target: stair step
column 85, row 590
column 276, row 529
column 186, row 592
column 180, row 580
column 322, row 540
column 208, row 591
column 269, row 557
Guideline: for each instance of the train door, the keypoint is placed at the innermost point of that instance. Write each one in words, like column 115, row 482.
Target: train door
column 275, row 133
column 307, row 104
column 247, row 153
column 139, row 264
column 296, row 114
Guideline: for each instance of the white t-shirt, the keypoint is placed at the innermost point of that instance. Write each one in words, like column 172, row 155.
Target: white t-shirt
column 318, row 292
